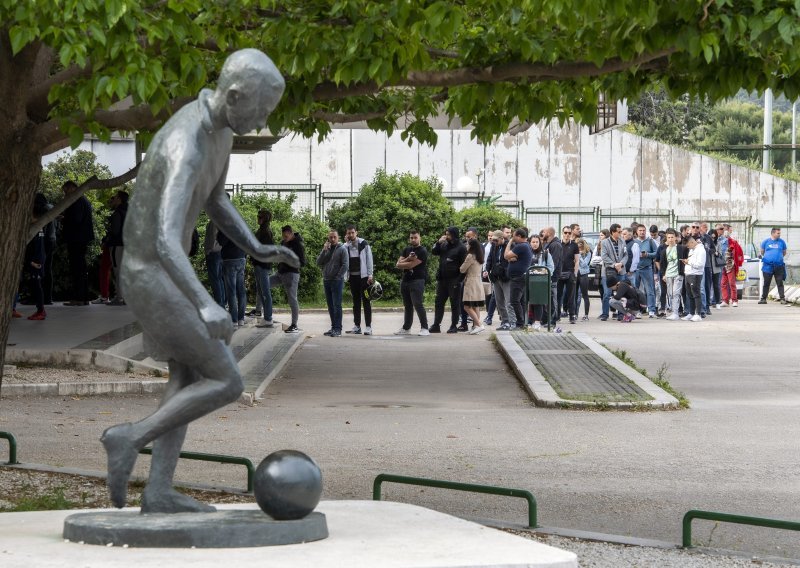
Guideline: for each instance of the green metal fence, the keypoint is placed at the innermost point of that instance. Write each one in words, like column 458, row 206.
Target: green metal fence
column 728, row 518
column 217, row 458
column 470, row 487
column 308, row 195
column 12, row 447
column 624, row 216
column 537, row 218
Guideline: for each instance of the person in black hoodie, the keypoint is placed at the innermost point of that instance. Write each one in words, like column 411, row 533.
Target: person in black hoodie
column 34, row 260
column 262, row 269
column 451, row 252
column 77, row 231
column 113, row 240
column 288, row 276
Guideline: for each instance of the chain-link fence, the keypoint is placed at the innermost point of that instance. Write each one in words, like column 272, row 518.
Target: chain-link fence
column 557, row 217
column 626, row 216
column 309, row 195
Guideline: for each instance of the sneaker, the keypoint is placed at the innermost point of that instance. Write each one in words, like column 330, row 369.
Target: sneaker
column 434, row 329
column 661, row 314
column 454, row 329
column 404, row 331
column 703, row 316
column 783, row 301
column 573, row 319
column 734, row 304
column 117, row 302
column 673, row 317
column 537, row 326
column 38, row 316
column 336, row 333
column 718, row 306
column 462, row 327
column 100, row 300
column 504, row 327
column 762, row 301
column 356, row 330
column 265, row 323
column 254, row 313
column 424, row 332
column 328, row 333
column 557, row 330
column 628, row 318
column 603, row 318
column 241, row 323
column 292, row 329
column 651, row 315
column 695, row 317
column 687, row 317
column 15, row 314
column 368, row 330
column 487, row 321
column 76, row 303
column 585, row 318
column 476, row 330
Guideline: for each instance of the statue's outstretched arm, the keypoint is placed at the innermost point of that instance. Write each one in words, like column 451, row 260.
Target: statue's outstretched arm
column 228, row 221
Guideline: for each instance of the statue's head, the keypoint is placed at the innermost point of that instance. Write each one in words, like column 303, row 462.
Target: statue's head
column 251, row 86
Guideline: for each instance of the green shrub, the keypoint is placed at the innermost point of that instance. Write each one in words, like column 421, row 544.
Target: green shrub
column 485, row 218
column 385, row 210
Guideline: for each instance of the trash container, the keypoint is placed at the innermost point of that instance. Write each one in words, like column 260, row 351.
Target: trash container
column 538, row 289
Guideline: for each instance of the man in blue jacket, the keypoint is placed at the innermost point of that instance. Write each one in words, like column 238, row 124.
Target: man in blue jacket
column 773, row 250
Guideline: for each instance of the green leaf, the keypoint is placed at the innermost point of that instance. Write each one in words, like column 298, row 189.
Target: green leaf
column 786, row 29
column 20, row 37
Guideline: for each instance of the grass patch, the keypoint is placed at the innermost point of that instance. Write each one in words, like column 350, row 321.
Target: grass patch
column 55, row 501
column 660, row 378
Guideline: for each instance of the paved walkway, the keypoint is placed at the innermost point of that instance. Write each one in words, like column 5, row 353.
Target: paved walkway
column 448, row 407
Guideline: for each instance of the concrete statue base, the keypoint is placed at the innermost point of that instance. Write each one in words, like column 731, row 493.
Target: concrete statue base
column 220, row 529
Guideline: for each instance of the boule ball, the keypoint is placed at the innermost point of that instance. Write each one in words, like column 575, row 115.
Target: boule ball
column 287, row 485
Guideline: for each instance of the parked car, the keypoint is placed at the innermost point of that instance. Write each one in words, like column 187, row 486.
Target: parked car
column 749, row 277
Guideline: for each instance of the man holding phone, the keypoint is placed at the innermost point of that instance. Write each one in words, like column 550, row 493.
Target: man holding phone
column 413, row 262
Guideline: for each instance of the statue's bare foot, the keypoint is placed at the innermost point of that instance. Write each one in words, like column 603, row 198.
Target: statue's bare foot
column 171, row 501
column 121, row 459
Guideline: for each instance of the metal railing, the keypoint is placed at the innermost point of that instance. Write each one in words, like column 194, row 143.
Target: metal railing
column 12, row 447
column 473, row 488
column 728, row 518
column 217, row 458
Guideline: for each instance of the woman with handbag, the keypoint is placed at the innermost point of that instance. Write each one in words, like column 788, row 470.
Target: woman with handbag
column 473, row 298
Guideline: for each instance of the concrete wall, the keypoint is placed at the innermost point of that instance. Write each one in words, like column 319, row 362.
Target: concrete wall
column 547, row 166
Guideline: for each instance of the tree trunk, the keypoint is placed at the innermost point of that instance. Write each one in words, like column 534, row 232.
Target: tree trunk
column 20, row 168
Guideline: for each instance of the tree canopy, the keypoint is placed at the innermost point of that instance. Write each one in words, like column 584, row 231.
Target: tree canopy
column 103, row 65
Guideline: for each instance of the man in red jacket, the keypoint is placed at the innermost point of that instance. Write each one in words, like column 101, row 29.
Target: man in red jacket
column 734, row 258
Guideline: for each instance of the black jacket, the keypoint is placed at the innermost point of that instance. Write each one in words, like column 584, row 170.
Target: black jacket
column 297, row 247
column 556, row 251
column 683, row 252
column 115, row 225
column 230, row 250
column 496, row 258
column 77, row 224
column 451, row 256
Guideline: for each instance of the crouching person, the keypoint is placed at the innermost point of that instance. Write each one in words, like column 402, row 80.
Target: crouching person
column 625, row 298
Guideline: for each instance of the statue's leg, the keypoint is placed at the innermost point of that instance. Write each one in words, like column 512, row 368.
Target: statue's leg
column 183, row 403
column 159, row 496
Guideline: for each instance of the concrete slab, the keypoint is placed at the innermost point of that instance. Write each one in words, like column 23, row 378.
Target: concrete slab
column 362, row 534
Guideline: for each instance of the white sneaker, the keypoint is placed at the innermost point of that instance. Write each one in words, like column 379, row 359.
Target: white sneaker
column 719, row 306
column 688, row 317
column 476, row 330
column 368, row 330
column 673, row 317
column 241, row 323
column 537, row 326
column 265, row 323
column 696, row 317
column 735, row 304
column 356, row 330
column 403, row 331
column 423, row 332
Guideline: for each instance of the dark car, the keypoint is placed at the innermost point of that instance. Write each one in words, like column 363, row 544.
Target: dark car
column 591, row 239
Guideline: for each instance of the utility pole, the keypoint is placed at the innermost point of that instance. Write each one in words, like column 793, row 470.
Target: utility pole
column 767, row 129
column 794, row 136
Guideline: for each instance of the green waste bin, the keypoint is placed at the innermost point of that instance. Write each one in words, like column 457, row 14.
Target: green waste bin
column 538, row 289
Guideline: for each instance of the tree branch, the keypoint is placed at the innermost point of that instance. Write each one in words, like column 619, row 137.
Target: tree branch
column 533, row 72
column 340, row 118
column 37, row 104
column 90, row 184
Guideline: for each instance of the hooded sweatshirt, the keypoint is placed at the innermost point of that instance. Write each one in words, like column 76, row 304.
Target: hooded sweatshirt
column 451, row 256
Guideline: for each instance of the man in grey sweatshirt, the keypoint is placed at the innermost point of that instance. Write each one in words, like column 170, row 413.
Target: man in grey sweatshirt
column 335, row 264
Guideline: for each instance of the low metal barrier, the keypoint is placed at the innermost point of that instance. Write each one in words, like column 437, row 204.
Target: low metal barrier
column 728, row 518
column 12, row 447
column 217, row 458
column 488, row 489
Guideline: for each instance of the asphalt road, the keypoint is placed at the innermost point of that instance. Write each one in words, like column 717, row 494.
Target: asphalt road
column 447, row 407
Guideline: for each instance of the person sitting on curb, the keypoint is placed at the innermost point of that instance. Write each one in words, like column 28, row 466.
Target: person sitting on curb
column 625, row 300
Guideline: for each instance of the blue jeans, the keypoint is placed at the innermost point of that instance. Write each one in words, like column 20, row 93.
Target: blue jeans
column 605, row 306
column 333, row 297
column 233, row 273
column 705, row 290
column 214, row 268
column 264, row 291
column 645, row 278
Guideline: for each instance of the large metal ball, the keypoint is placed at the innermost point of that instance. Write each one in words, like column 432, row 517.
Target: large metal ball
column 287, row 485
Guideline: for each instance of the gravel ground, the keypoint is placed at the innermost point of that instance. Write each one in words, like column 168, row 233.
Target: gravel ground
column 603, row 555
column 51, row 375
column 35, row 490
